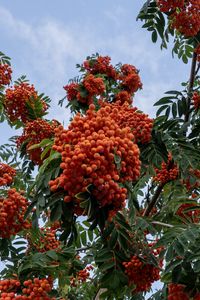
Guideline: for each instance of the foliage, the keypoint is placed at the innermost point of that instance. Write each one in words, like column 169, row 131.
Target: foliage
column 107, row 206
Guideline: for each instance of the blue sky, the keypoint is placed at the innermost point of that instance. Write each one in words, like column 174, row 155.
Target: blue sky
column 45, row 40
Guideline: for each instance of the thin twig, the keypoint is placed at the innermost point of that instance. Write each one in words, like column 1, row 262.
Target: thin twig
column 99, row 293
column 162, row 224
column 190, row 86
column 153, row 200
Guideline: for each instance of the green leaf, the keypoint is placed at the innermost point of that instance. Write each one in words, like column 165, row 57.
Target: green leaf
column 154, row 36
column 56, row 212
column 107, row 265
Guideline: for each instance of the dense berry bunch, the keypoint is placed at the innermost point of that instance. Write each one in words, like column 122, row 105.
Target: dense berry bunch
column 192, row 215
column 93, row 85
column 46, row 241
column 141, row 274
column 34, row 132
column 186, row 20
column 123, row 97
column 169, row 171
column 8, row 288
column 12, row 210
column 193, row 180
column 89, row 151
column 72, row 90
column 139, row 123
column 130, row 80
column 6, row 174
column 196, row 100
column 170, row 5
column 176, row 291
column 102, row 80
column 81, row 276
column 100, row 65
column 5, row 74
column 18, row 98
column 32, row 289
column 184, row 15
column 85, row 91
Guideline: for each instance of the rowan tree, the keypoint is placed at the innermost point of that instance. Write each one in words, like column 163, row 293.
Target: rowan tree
column 107, row 206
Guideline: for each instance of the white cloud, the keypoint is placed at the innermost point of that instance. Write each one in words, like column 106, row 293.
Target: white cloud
column 51, row 50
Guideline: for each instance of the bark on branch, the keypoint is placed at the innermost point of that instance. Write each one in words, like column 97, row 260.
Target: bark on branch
column 191, row 84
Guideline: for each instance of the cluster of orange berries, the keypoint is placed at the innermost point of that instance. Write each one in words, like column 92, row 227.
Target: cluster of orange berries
column 184, row 15
column 34, row 132
column 89, row 149
column 100, row 65
column 16, row 100
column 5, row 74
column 12, row 210
column 189, row 182
column 47, row 240
column 141, row 274
column 32, row 289
column 169, row 171
column 7, row 174
column 81, row 276
column 170, row 5
column 93, row 86
column 123, row 97
column 139, row 123
column 101, row 78
column 130, row 80
column 196, row 100
column 193, row 215
column 177, row 291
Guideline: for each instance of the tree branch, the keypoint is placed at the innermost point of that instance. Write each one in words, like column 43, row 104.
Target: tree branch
column 190, row 86
column 100, row 292
column 154, row 199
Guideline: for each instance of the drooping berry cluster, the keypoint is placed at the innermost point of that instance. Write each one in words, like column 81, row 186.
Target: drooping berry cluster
column 8, row 287
column 196, row 100
column 34, row 132
column 130, row 80
column 7, row 174
column 193, row 180
column 100, row 65
column 141, row 274
column 5, row 74
column 12, row 210
column 102, row 80
column 193, row 214
column 96, row 151
column 139, row 123
column 184, row 15
column 81, row 276
column 35, row 289
column 169, row 171
column 177, row 291
column 17, row 100
column 46, row 241
column 170, row 5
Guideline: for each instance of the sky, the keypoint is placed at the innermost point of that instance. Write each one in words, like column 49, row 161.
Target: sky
column 46, row 39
